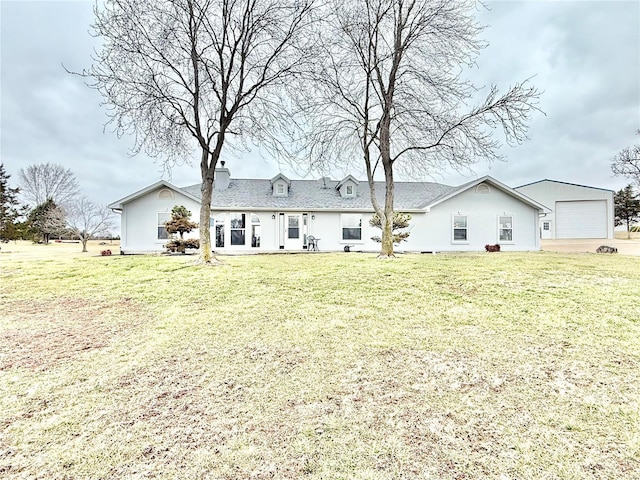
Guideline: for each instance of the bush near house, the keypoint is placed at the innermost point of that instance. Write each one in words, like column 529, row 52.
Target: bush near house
column 179, row 222
column 180, row 245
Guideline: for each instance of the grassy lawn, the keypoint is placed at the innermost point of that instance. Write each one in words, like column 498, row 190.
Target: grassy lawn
column 320, row 366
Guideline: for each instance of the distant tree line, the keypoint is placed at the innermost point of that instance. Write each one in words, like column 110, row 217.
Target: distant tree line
column 53, row 207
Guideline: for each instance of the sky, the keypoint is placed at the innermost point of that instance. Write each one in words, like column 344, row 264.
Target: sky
column 584, row 55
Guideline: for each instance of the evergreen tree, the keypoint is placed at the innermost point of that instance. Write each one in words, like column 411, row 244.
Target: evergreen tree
column 10, row 209
column 180, row 221
column 45, row 220
column 627, row 208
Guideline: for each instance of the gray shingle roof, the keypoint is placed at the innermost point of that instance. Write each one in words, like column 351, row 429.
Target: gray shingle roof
column 313, row 195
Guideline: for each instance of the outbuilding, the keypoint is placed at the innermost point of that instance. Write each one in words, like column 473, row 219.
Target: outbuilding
column 577, row 211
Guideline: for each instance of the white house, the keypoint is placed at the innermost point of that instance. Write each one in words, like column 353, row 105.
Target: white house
column 577, row 211
column 261, row 215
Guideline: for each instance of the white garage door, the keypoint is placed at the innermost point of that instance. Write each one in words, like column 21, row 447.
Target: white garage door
column 585, row 219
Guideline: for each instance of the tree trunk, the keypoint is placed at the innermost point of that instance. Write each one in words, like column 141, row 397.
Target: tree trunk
column 385, row 156
column 387, row 220
column 84, row 244
column 208, row 163
column 205, row 214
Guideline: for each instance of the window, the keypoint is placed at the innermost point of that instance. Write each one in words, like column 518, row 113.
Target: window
column 305, row 229
column 165, row 193
column 349, row 189
column 351, row 226
column 460, row 228
column 255, row 231
column 505, row 227
column 280, row 188
column 546, row 226
column 237, row 228
column 162, row 232
column 483, row 188
column 217, row 222
column 294, row 226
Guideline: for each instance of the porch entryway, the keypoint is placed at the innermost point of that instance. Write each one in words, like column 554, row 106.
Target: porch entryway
column 292, row 231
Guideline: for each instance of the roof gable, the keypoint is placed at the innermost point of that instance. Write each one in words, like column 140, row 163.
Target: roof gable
column 562, row 183
column 117, row 205
column 280, row 176
column 348, row 178
column 495, row 183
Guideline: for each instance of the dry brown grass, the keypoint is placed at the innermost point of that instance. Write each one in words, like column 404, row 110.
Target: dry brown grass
column 496, row 366
column 41, row 333
column 622, row 235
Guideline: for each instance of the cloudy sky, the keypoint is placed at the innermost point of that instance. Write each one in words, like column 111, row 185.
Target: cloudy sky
column 584, row 55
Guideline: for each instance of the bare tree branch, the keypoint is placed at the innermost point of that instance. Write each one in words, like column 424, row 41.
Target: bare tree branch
column 627, row 163
column 196, row 76
column 86, row 220
column 389, row 88
column 47, row 181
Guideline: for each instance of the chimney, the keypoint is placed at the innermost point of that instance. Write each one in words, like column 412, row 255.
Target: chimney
column 221, row 177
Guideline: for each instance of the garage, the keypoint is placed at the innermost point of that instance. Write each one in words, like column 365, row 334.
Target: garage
column 578, row 211
column 581, row 219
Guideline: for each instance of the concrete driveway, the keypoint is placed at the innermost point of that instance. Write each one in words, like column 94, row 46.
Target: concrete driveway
column 625, row 247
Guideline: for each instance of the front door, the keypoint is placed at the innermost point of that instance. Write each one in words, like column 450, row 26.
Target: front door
column 293, row 235
column 546, row 229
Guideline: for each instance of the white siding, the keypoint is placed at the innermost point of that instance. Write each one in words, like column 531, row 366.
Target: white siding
column 432, row 231
column 139, row 221
column 582, row 223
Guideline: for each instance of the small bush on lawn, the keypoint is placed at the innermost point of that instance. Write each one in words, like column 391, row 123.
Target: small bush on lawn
column 180, row 245
column 492, row 248
column 105, row 253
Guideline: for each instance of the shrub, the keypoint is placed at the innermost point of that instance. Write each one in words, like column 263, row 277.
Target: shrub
column 105, row 253
column 180, row 245
column 492, row 248
column 192, row 243
column 180, row 222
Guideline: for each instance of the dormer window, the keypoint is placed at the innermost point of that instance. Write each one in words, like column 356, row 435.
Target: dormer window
column 347, row 187
column 280, row 185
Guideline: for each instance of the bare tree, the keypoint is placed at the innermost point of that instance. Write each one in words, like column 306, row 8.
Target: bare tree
column 189, row 76
column 627, row 163
column 390, row 90
column 86, row 220
column 47, row 181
